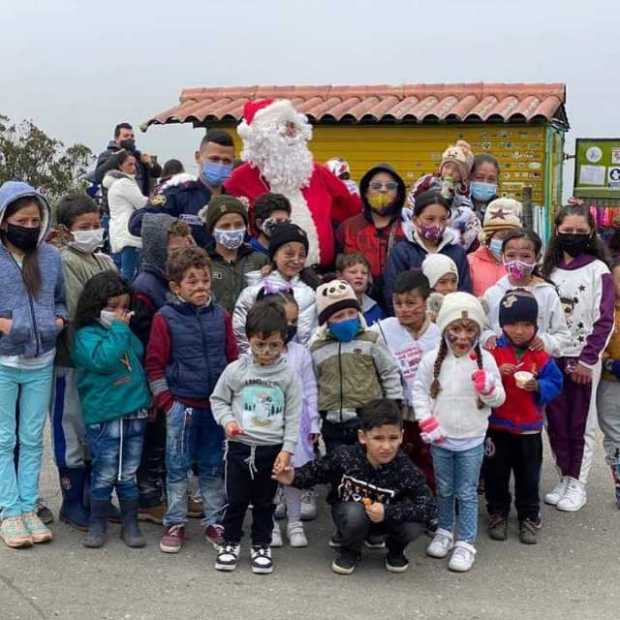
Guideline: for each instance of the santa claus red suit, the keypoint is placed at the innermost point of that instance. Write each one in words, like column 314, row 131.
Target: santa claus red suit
column 277, row 159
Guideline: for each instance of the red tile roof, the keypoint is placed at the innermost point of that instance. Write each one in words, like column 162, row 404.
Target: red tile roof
column 413, row 103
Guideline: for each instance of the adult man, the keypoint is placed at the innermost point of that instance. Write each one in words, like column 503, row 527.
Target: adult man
column 214, row 158
column 275, row 140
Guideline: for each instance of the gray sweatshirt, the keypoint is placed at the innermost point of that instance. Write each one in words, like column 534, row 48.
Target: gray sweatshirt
column 264, row 400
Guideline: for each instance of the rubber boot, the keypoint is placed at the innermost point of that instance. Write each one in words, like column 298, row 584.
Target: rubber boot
column 130, row 530
column 72, row 484
column 97, row 525
column 113, row 513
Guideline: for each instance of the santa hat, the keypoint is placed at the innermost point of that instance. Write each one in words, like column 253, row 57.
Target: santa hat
column 436, row 266
column 265, row 112
column 459, row 306
column 461, row 155
column 501, row 214
column 334, row 296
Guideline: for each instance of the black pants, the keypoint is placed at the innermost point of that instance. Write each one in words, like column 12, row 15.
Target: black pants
column 248, row 481
column 506, row 453
column 152, row 470
column 354, row 527
column 335, row 435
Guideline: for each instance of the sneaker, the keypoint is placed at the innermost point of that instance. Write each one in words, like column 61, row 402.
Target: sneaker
column 276, row 536
column 296, row 535
column 280, row 510
column 528, row 530
column 44, row 513
column 228, row 557
column 14, row 533
column 557, row 493
column 396, row 563
column 375, row 542
column 498, row 527
column 309, row 508
column 346, row 562
column 195, row 509
column 38, row 530
column 462, row 558
column 153, row 514
column 335, row 542
column 441, row 544
column 214, row 534
column 172, row 539
column 575, row 497
column 260, row 559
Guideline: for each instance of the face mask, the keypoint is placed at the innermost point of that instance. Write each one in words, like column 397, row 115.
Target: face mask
column 380, row 202
column 87, row 241
column 230, row 239
column 518, row 270
column 291, row 332
column 483, row 192
column 128, row 145
column 345, row 331
column 574, row 244
column 495, row 247
column 26, row 239
column 447, row 187
column 269, row 224
column 214, row 173
column 106, row 318
column 431, row 233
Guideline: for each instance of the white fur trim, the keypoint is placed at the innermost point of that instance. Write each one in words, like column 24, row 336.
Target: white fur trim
column 279, row 110
column 177, row 179
column 302, row 216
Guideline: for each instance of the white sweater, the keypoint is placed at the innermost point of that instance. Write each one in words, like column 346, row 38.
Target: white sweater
column 456, row 405
column 124, row 197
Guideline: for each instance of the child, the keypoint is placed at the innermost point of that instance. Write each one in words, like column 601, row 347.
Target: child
column 409, row 336
column 514, row 441
column 375, row 489
column 608, row 398
column 114, row 396
column 32, row 313
column 455, row 388
column 288, row 250
column 483, row 185
column 442, row 273
column 78, row 221
column 258, row 402
column 576, row 263
column 269, row 209
column 190, row 344
column 226, row 221
column 520, row 254
column 428, row 234
column 355, row 269
column 352, row 365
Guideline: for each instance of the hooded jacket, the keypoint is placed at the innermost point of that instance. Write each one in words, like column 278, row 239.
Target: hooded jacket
column 484, row 270
column 33, row 330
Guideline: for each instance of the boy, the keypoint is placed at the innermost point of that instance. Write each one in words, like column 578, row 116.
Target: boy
column 190, row 345
column 355, row 269
column 269, row 209
column 226, row 221
column 258, row 402
column 82, row 235
column 352, row 366
column 375, row 489
column 514, row 443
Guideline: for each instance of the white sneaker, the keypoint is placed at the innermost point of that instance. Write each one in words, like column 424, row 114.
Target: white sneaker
column 441, row 544
column 260, row 559
column 276, row 536
column 575, row 497
column 463, row 557
column 309, row 508
column 228, row 557
column 296, row 534
column 557, row 493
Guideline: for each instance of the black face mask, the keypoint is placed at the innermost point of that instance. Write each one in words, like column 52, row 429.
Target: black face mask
column 128, row 145
column 291, row 332
column 574, row 244
column 26, row 239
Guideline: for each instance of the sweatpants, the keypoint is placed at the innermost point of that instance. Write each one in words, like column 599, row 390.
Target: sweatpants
column 608, row 406
column 248, row 472
column 521, row 455
column 571, row 424
column 152, row 470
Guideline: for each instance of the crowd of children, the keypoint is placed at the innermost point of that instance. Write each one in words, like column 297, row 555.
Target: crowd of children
column 237, row 367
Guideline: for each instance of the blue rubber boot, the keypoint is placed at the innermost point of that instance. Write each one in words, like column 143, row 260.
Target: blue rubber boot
column 73, row 510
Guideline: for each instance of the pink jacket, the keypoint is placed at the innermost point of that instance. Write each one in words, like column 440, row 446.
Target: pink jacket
column 485, row 271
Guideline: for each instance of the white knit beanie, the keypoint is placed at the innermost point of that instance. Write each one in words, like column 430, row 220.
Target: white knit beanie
column 457, row 306
column 436, row 266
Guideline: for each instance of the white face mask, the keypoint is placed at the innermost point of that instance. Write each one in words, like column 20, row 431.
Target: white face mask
column 87, row 241
column 106, row 318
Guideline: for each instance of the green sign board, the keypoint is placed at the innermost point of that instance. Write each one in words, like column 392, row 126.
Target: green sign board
column 597, row 168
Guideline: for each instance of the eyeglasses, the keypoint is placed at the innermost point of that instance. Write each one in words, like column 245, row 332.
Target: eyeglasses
column 390, row 186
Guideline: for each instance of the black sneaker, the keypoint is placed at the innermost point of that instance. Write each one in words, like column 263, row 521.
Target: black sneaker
column 228, row 557
column 260, row 559
column 44, row 513
column 375, row 542
column 528, row 531
column 335, row 542
column 396, row 562
column 346, row 562
column 498, row 527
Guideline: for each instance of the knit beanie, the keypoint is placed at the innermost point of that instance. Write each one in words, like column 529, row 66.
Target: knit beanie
column 461, row 155
column 502, row 214
column 436, row 266
column 518, row 305
column 334, row 296
column 457, row 306
column 286, row 232
column 219, row 206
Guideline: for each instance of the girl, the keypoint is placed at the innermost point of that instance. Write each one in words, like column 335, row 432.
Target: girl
column 288, row 250
column 32, row 313
column 520, row 255
column 114, row 396
column 455, row 388
column 428, row 233
column 355, row 269
column 484, row 179
column 576, row 261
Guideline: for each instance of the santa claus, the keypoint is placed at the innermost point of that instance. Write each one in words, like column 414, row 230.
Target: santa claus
column 277, row 159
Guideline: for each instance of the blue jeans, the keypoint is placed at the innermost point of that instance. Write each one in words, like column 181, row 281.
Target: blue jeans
column 193, row 436
column 457, row 475
column 116, row 450
column 127, row 262
column 19, row 489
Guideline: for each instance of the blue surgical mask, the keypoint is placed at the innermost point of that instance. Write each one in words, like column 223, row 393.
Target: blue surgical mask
column 230, row 239
column 215, row 173
column 483, row 192
column 495, row 247
column 345, row 331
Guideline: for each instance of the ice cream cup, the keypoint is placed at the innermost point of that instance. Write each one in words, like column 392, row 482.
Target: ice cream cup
column 522, row 377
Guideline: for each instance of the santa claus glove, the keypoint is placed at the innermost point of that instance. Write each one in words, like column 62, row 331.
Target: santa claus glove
column 431, row 431
column 484, row 382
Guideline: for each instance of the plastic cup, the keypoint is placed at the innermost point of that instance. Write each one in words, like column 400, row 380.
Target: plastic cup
column 522, row 377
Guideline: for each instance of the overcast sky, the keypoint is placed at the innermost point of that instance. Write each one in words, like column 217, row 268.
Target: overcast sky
column 77, row 68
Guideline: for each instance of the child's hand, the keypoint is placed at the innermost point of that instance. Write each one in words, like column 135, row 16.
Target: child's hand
column 232, row 429
column 484, row 383
column 530, row 386
column 375, row 511
column 5, row 326
column 431, row 431
column 281, row 463
column 537, row 344
column 124, row 316
column 285, row 477
column 507, row 369
column 491, row 343
column 59, row 323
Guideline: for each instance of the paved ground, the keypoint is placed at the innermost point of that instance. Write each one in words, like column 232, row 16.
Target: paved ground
column 573, row 573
